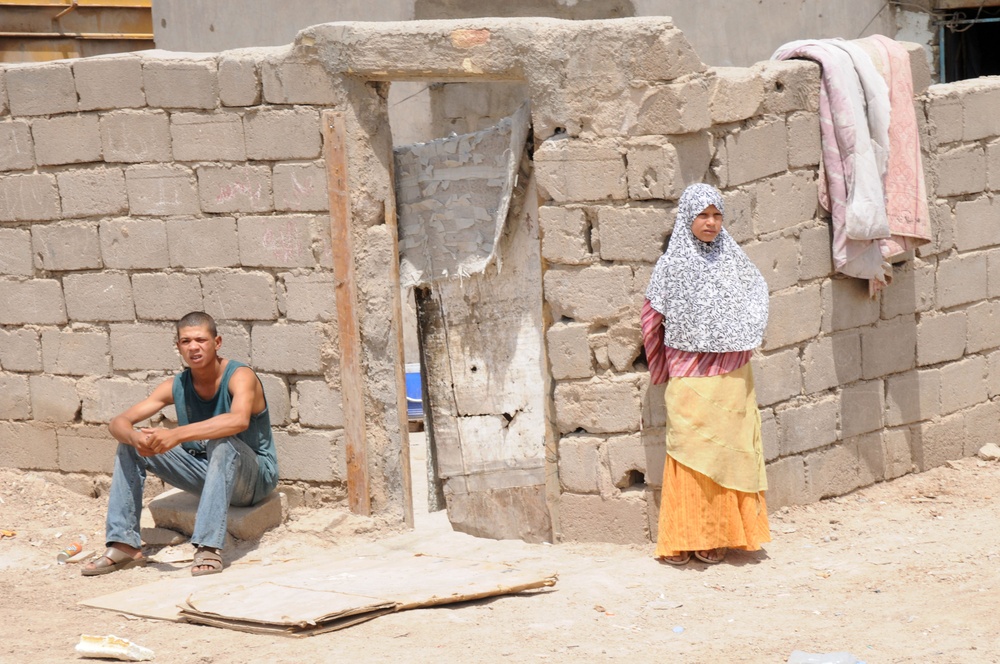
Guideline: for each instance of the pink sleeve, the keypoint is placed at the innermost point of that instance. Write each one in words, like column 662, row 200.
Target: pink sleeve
column 652, row 340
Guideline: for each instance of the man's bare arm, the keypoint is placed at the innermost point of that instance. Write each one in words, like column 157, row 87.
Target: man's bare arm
column 122, row 426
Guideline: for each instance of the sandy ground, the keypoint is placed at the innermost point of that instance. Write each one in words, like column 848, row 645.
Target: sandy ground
column 899, row 572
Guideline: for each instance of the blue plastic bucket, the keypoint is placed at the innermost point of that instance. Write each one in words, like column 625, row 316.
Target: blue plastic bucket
column 414, row 393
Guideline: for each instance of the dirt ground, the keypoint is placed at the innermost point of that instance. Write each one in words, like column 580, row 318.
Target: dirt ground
column 904, row 571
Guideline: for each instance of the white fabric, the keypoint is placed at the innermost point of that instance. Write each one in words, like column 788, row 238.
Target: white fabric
column 712, row 297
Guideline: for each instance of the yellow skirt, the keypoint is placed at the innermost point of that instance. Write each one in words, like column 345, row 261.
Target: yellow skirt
column 696, row 514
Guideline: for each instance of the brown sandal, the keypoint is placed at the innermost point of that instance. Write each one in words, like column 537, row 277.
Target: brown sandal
column 206, row 557
column 711, row 556
column 680, row 559
column 112, row 561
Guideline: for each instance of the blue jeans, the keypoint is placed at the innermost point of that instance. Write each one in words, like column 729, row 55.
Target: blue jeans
column 226, row 476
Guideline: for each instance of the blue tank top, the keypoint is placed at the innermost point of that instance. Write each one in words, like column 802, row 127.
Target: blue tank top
column 258, row 437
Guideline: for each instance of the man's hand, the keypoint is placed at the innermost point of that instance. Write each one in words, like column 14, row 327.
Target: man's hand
column 154, row 441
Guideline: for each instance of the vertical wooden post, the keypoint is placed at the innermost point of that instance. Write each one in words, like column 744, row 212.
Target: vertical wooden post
column 352, row 384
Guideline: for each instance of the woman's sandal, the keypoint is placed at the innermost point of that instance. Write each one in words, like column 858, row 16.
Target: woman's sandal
column 711, row 556
column 112, row 561
column 679, row 559
column 206, row 557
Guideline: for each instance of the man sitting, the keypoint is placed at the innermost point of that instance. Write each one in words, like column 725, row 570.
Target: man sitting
column 222, row 450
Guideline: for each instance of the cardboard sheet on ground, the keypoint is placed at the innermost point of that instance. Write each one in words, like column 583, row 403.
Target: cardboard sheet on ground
column 321, row 595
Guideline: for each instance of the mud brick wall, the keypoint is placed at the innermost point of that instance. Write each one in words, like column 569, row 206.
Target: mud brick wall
column 136, row 189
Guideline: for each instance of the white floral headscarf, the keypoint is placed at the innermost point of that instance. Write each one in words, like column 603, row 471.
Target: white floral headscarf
column 713, row 299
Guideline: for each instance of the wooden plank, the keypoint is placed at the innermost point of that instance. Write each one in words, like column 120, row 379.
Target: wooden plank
column 346, row 288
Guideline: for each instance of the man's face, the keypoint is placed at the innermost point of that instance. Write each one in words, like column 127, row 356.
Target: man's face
column 197, row 346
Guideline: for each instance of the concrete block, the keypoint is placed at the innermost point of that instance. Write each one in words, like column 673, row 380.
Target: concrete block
column 568, row 170
column 960, row 279
column 300, row 187
column 816, row 253
column 622, row 519
column 795, row 316
column 653, row 167
column 835, row 471
column 292, row 348
column 66, row 246
column 993, row 272
column 109, row 82
column 942, row 230
column 308, row 297
column 279, row 403
column 181, row 83
column 976, row 224
column 668, row 57
column 161, row 190
column 979, row 117
column 695, row 152
column 983, row 327
column 21, row 350
column 107, row 397
column 312, row 457
column 594, row 294
column 207, row 137
column 54, row 399
column 737, row 95
column 992, row 372
column 961, row 170
column 786, row 483
column 15, row 397
column 236, row 337
column 653, row 441
column 982, row 426
column 283, row 134
column 632, row 233
column 239, row 295
column 624, row 343
column 600, row 405
column 920, row 66
column 778, row 261
column 896, row 446
column 861, row 407
column 675, row 108
column 992, row 165
column 234, row 188
column 651, row 398
column 160, row 296
column 808, row 425
column 86, row 449
column 41, row 89
column 565, row 235
column 963, row 384
column 778, row 376
column 804, row 149
column 846, row 305
column 580, row 464
column 939, row 441
column 101, row 296
column 279, row 241
column 144, row 347
column 944, row 112
column 912, row 290
column 27, row 445
column 17, row 151
column 912, row 397
column 769, row 435
column 831, row 361
column 627, row 461
column 789, row 85
column 459, row 100
column 134, row 244
column 66, row 139
column 239, row 80
column 941, row 337
column 15, row 252
column 889, row 348
column 176, row 510
column 319, row 404
column 75, row 353
column 568, row 350
column 298, row 83
column 203, row 242
column 135, row 136
column 37, row 301
column 785, row 201
column 756, row 151
column 32, row 197
column 93, row 192
column 739, row 215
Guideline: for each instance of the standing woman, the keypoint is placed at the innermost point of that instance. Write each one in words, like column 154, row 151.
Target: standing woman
column 705, row 312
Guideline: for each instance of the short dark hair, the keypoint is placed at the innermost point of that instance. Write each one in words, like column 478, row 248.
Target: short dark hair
column 197, row 319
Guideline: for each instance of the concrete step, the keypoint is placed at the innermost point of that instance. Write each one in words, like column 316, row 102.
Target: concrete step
column 176, row 509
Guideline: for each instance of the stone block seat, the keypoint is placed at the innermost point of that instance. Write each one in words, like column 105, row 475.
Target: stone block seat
column 175, row 510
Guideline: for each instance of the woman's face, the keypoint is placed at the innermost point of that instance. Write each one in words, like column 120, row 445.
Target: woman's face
column 708, row 224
